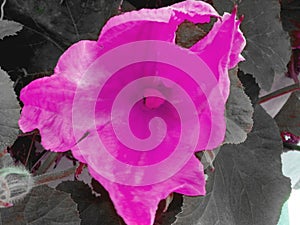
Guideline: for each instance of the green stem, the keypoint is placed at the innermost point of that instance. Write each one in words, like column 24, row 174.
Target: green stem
column 280, row 92
column 291, row 146
column 49, row 177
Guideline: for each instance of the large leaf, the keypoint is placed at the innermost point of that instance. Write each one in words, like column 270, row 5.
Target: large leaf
column 52, row 26
column 93, row 210
column 67, row 21
column 9, row 28
column 239, row 112
column 9, row 111
column 288, row 118
column 268, row 47
column 43, row 206
column 247, row 186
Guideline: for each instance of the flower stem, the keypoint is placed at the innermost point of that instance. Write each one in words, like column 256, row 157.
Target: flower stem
column 280, row 92
column 30, row 149
column 2, row 9
column 48, row 162
column 291, row 146
column 35, row 132
column 48, row 177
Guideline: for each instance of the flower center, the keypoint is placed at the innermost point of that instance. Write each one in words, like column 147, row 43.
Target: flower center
column 153, row 98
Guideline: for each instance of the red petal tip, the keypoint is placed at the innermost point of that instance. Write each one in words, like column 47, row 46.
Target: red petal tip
column 234, row 11
column 242, row 17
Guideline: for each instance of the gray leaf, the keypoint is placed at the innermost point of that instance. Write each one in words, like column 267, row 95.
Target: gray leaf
column 43, row 206
column 93, row 210
column 268, row 46
column 288, row 118
column 290, row 13
column 50, row 27
column 9, row 28
column 67, row 21
column 247, row 186
column 239, row 112
column 9, row 111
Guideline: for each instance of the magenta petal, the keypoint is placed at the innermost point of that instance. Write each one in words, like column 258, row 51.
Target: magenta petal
column 48, row 101
column 238, row 44
column 138, row 205
column 226, row 30
column 136, row 107
column 130, row 135
column 75, row 61
column 194, row 11
column 47, row 107
column 153, row 24
column 221, row 48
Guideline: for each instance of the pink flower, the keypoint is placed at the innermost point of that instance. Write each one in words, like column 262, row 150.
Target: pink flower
column 135, row 107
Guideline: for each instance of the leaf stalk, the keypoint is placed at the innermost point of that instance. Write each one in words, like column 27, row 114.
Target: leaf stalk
column 280, row 92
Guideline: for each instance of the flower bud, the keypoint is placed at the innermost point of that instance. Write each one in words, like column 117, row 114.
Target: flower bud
column 15, row 184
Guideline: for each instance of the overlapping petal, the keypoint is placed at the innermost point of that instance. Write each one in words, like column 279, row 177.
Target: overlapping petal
column 187, row 88
column 221, row 48
column 48, row 101
column 138, row 205
column 154, row 24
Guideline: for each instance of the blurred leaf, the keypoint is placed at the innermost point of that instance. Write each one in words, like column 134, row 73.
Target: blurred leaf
column 247, row 186
column 288, row 118
column 290, row 14
column 93, row 210
column 43, row 206
column 263, row 31
column 5, row 160
column 127, row 6
column 189, row 33
column 9, row 111
column 297, row 185
column 9, row 28
column 239, row 112
column 44, row 59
